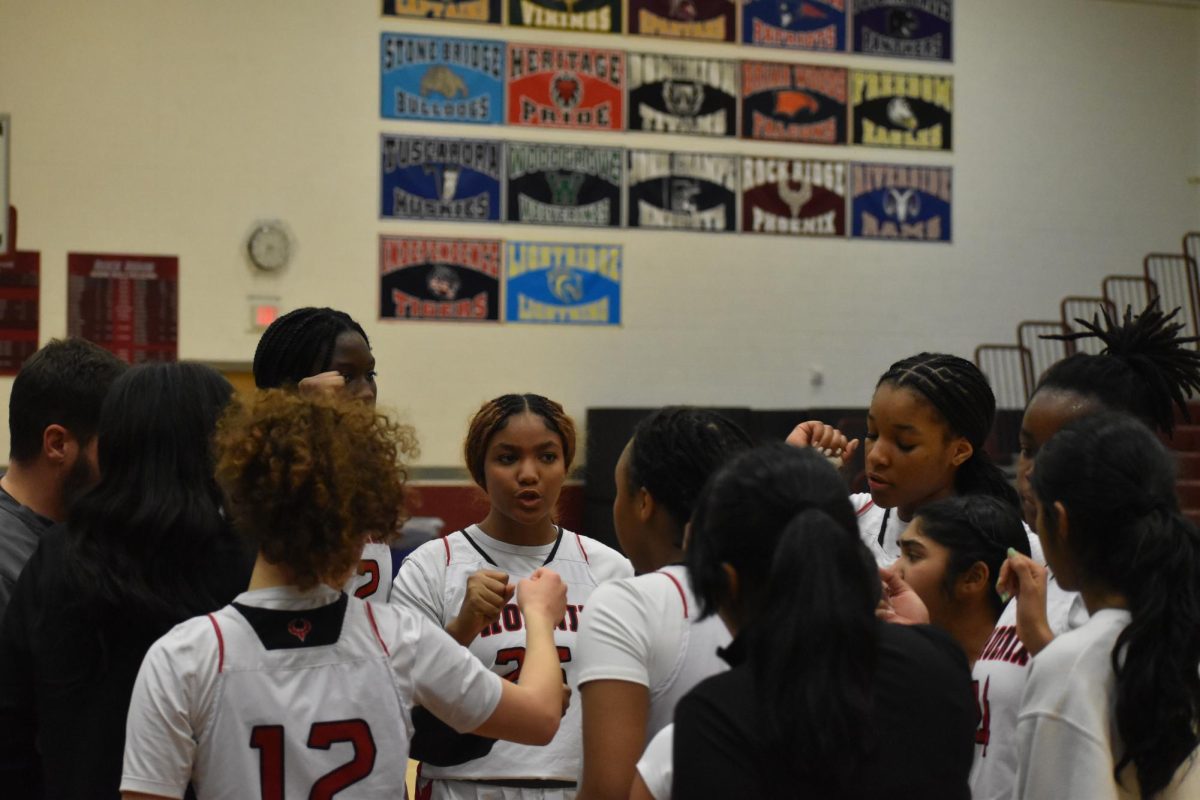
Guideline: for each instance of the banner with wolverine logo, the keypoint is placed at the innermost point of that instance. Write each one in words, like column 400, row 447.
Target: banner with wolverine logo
column 565, row 284
column 795, row 24
column 793, row 103
column 565, row 87
column 904, row 28
column 425, row 177
column 439, row 279
column 906, row 110
column 551, row 184
column 687, row 191
column 591, row 16
column 441, row 79
column 892, row 201
column 711, row 20
column 677, row 94
column 794, row 196
column 457, row 10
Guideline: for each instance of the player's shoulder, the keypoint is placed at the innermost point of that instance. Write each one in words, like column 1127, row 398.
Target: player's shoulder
column 196, row 644
column 606, row 563
column 864, row 505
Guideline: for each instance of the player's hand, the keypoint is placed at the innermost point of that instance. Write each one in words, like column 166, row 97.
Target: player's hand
column 542, row 595
column 325, row 384
column 1024, row 580
column 488, row 591
column 830, row 441
column 900, row 604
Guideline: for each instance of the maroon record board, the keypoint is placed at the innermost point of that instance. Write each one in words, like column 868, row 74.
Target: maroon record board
column 127, row 304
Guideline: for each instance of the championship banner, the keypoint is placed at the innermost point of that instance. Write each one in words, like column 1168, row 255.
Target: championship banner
column 423, row 177
column 127, row 304
column 793, row 103
column 904, row 28
column 678, row 94
column 440, row 79
column 550, row 184
column 711, row 20
column 687, row 191
column 458, row 10
column 894, row 109
column 565, row 87
column 795, row 24
column 891, row 201
column 592, row 16
column 450, row 280
column 794, row 196
column 571, row 284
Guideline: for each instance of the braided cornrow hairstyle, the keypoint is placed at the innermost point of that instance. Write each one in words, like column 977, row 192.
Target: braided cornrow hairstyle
column 960, row 393
column 299, row 345
column 674, row 450
column 1144, row 368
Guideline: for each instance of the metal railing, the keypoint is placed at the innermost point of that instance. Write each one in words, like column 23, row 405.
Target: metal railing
column 1009, row 370
column 1175, row 276
column 1088, row 309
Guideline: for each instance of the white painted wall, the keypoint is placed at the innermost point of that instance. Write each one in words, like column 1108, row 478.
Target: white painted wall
column 164, row 126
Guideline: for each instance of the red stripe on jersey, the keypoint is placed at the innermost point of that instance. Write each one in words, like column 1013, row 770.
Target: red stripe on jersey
column 585, row 555
column 374, row 627
column 682, row 594
column 446, row 544
column 865, row 509
column 220, row 644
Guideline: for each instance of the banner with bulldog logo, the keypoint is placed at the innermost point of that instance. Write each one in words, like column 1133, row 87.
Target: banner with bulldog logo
column 441, row 79
column 439, row 279
column 793, row 103
column 457, row 10
column 592, row 16
column 898, row 109
column 712, row 20
column 687, row 191
column 892, row 201
column 795, row 24
column 550, row 184
column 904, row 28
column 424, row 177
column 566, row 87
column 565, row 284
column 794, row 196
column 677, row 94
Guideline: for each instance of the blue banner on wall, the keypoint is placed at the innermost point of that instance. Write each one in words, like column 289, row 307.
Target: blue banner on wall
column 423, row 177
column 441, row 79
column 904, row 28
column 894, row 201
column 556, row 283
column 795, row 24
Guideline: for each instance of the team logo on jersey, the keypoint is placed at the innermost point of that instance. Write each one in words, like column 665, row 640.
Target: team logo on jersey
column 463, row 10
column 694, row 191
column 595, row 16
column 564, row 184
column 796, row 24
column 436, row 78
column 430, row 178
column 676, row 94
column 793, row 102
column 896, row 109
column 904, row 28
column 891, row 201
column 576, row 284
column 794, row 196
column 300, row 628
column 439, row 279
column 713, row 20
column 561, row 87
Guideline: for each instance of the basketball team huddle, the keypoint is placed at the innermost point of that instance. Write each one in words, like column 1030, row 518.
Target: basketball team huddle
column 762, row 631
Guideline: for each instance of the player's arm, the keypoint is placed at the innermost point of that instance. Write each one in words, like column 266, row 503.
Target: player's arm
column 614, row 732
column 530, row 709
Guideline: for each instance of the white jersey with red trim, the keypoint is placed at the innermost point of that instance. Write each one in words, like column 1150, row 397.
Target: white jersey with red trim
column 646, row 630
column 287, row 693
column 433, row 581
column 373, row 581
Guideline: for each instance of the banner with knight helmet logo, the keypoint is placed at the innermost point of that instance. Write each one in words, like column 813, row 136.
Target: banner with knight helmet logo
column 686, row 191
column 896, row 201
column 551, row 184
column 563, row 283
column 566, row 87
column 677, row 94
column 794, row 196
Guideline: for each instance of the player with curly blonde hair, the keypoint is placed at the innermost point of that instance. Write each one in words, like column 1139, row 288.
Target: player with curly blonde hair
column 296, row 687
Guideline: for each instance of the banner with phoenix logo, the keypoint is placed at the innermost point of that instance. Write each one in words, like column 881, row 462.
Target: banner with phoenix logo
column 900, row 109
column 893, row 201
column 794, row 196
column 457, row 10
column 793, row 103
column 550, row 184
column 456, row 280
column 904, row 28
column 591, row 16
column 795, row 24
column 441, row 79
column 556, row 283
column 566, row 87
column 677, row 94
column 711, row 20
column 424, row 177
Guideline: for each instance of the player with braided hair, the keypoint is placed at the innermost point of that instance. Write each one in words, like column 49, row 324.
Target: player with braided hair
column 1146, row 369
column 642, row 645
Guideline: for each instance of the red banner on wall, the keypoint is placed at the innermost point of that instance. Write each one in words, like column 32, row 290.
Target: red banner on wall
column 127, row 304
column 19, row 273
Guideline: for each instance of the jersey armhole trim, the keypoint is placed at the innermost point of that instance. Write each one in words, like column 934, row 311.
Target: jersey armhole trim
column 375, row 628
column 220, row 644
column 869, row 505
column 579, row 541
column 682, row 595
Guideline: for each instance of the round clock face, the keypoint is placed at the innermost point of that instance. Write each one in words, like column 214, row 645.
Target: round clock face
column 269, row 247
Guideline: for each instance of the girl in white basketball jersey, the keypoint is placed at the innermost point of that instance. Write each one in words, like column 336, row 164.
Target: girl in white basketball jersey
column 1145, row 370
column 296, row 689
column 642, row 645
column 316, row 351
column 518, row 449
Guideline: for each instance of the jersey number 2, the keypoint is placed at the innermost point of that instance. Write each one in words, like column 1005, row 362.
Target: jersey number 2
column 370, row 568
column 268, row 740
